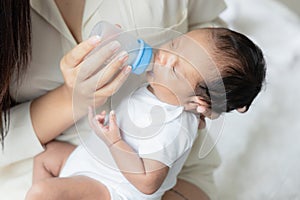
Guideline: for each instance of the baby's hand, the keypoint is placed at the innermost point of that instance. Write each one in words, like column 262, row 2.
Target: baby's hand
column 110, row 134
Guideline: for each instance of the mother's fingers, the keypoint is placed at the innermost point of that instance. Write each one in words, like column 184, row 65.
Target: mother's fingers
column 76, row 55
column 95, row 62
column 109, row 72
column 113, row 86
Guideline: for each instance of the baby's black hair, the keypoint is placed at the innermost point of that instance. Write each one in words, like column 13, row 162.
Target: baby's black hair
column 242, row 67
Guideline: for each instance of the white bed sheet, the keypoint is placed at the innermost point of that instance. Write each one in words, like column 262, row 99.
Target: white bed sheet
column 260, row 150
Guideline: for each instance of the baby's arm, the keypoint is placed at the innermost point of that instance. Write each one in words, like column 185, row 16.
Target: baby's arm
column 145, row 174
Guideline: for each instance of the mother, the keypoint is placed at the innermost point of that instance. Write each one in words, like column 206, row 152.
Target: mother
column 36, row 98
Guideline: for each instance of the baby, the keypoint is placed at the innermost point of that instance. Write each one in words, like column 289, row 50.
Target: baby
column 212, row 68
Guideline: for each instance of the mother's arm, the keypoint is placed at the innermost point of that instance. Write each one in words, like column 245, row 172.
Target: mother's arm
column 54, row 112
column 36, row 122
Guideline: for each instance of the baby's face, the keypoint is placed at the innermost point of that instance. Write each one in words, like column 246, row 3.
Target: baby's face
column 177, row 68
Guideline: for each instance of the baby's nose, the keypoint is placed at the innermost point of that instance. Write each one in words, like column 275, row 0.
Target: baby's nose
column 167, row 59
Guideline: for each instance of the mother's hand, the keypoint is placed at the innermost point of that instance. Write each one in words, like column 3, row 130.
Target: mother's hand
column 87, row 82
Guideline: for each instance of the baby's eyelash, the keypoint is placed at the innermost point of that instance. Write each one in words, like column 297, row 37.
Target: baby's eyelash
column 174, row 70
column 173, row 44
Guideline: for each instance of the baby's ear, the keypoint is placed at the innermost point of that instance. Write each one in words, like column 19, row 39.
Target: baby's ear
column 196, row 104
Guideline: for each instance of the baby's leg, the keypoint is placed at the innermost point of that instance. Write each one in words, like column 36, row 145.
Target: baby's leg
column 49, row 163
column 70, row 188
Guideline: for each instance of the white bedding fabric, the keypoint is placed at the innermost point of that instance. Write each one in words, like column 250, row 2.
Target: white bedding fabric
column 261, row 149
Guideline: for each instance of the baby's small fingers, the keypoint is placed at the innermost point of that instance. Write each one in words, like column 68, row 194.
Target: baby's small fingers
column 112, row 120
column 90, row 116
column 202, row 122
column 201, row 109
column 210, row 114
column 101, row 117
column 96, row 123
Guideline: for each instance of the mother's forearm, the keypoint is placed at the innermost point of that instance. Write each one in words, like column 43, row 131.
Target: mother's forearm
column 51, row 114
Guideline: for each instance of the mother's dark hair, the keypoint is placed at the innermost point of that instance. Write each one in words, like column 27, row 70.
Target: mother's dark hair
column 15, row 51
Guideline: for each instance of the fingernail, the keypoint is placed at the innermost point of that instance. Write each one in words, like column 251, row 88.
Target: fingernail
column 113, row 46
column 200, row 109
column 94, row 39
column 97, row 117
column 127, row 70
column 112, row 113
column 123, row 56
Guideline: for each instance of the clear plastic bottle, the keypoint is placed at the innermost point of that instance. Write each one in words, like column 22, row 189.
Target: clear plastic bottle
column 140, row 53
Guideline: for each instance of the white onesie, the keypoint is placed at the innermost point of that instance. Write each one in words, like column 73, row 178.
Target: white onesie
column 154, row 129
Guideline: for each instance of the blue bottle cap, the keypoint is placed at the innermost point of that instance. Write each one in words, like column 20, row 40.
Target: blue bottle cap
column 143, row 59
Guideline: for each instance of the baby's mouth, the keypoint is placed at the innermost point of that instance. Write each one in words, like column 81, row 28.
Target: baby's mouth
column 150, row 73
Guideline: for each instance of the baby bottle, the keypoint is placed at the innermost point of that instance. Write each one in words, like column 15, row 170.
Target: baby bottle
column 139, row 52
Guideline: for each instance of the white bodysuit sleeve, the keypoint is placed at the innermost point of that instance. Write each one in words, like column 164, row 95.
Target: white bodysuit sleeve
column 21, row 141
column 173, row 140
column 165, row 152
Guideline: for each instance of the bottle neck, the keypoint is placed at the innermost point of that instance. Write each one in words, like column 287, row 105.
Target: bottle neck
column 143, row 59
